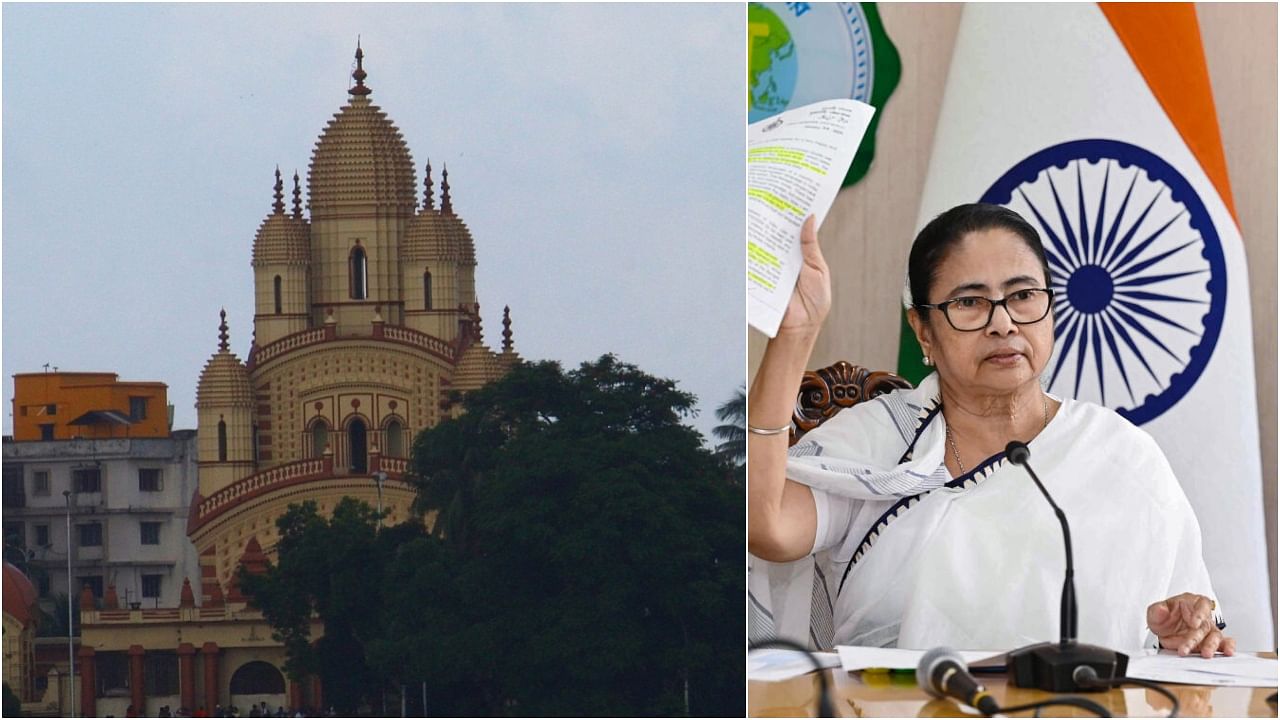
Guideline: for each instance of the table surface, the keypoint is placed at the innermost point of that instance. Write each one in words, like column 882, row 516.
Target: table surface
column 896, row 695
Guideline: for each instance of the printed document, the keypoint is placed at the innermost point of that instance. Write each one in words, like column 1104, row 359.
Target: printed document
column 796, row 162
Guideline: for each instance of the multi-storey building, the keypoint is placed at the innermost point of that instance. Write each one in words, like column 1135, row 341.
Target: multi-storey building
column 365, row 318
column 125, row 485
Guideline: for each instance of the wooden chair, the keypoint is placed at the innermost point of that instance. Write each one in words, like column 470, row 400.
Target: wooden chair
column 826, row 391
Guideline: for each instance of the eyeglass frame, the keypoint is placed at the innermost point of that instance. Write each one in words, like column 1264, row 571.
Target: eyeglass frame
column 1002, row 302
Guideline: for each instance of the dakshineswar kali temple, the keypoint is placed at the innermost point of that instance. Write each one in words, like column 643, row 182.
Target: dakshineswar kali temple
column 365, row 318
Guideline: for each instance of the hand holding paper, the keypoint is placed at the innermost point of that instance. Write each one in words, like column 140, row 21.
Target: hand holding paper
column 795, row 163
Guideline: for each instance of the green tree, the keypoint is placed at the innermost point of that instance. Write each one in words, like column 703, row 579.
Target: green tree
column 732, row 432
column 331, row 569
column 587, row 559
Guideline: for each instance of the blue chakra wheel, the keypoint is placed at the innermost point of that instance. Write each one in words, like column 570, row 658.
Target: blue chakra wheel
column 1137, row 268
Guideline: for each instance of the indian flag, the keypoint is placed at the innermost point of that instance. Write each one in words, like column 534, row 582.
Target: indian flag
column 1096, row 123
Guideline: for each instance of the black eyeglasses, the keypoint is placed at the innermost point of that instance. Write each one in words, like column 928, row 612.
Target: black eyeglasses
column 974, row 312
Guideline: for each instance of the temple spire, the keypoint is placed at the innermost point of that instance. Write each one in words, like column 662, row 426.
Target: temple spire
column 429, row 200
column 278, row 205
column 359, row 75
column 223, row 335
column 446, row 203
column 297, row 197
column 506, row 329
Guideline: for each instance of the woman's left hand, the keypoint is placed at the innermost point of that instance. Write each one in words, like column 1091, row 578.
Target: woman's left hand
column 1185, row 623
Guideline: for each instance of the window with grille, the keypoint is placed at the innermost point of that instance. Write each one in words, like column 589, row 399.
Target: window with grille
column 150, row 533
column 40, row 482
column 159, row 669
column 42, row 536
column 137, row 408
column 151, row 586
column 150, row 480
column 87, row 480
column 90, row 534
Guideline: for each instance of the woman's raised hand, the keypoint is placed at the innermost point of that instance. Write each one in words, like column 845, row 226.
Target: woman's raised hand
column 811, row 300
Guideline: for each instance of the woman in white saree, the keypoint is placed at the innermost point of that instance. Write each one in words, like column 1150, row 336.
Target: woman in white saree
column 928, row 535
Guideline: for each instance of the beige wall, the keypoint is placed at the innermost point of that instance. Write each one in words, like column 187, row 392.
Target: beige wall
column 880, row 212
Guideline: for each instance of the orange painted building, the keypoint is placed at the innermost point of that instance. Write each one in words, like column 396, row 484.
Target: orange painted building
column 68, row 405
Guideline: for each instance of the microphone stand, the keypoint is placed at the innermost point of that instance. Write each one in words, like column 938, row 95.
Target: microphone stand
column 1052, row 666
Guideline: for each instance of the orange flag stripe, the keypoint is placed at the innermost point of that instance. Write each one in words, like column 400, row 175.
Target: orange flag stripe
column 1164, row 41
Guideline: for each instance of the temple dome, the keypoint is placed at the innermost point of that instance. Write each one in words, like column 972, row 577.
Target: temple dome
column 433, row 235
column 224, row 380
column 438, row 234
column 19, row 595
column 283, row 239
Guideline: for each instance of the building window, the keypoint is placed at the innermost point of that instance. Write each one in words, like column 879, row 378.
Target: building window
column 359, row 274
column 90, row 534
column 357, row 440
column 159, row 669
column 15, row 494
column 395, row 439
column 42, row 585
column 112, row 673
column 87, row 480
column 222, row 441
column 426, row 289
column 40, row 482
column 150, row 534
column 276, row 288
column 42, row 536
column 137, row 408
column 319, row 438
column 46, row 431
column 150, row 480
column 51, row 409
column 151, row 586
column 93, row 581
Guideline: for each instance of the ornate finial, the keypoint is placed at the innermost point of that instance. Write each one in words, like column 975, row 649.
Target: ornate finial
column 223, row 335
column 278, row 205
column 429, row 201
column 446, row 203
column 506, row 329
column 297, row 197
column 359, row 74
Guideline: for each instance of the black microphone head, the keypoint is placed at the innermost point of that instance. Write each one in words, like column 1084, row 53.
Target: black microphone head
column 1017, row 452
column 929, row 662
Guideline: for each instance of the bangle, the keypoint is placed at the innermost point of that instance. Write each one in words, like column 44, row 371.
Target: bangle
column 769, row 431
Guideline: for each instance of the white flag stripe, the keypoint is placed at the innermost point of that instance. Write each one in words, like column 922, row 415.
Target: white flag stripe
column 1025, row 79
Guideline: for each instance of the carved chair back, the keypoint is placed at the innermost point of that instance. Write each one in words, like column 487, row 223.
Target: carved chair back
column 826, row 391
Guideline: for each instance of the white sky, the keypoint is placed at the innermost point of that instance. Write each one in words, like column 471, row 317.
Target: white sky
column 595, row 151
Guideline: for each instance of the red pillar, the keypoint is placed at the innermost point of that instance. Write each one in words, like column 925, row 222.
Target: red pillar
column 187, row 675
column 295, row 694
column 138, row 697
column 317, row 695
column 88, row 683
column 210, row 652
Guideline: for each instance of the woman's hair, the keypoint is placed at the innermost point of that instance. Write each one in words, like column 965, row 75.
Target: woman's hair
column 944, row 232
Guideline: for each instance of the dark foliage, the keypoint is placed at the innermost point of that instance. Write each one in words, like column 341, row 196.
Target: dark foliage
column 586, row 559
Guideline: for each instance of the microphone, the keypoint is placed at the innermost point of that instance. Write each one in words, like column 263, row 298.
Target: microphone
column 943, row 674
column 1052, row 666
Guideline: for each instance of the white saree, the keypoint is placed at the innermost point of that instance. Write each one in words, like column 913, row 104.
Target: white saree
column 913, row 558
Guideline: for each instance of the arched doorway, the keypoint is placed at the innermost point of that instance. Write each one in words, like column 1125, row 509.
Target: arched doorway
column 358, row 436
column 257, row 682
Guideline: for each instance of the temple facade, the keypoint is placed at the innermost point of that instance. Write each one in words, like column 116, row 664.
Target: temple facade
column 365, row 318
